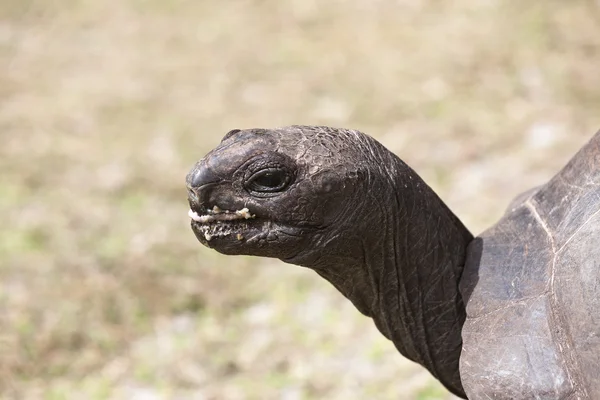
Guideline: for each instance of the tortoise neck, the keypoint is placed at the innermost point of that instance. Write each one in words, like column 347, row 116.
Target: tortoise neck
column 404, row 269
column 420, row 307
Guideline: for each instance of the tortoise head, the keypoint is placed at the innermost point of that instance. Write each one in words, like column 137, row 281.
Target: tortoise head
column 280, row 193
column 337, row 201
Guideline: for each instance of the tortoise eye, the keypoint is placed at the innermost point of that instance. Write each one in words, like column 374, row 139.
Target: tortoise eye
column 268, row 180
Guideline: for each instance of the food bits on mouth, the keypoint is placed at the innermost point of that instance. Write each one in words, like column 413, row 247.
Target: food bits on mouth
column 244, row 212
column 216, row 214
column 220, row 223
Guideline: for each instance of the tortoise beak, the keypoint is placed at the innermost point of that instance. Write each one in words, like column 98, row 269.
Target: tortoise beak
column 199, row 181
column 201, row 175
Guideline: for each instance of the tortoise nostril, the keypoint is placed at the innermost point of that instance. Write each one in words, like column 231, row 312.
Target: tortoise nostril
column 200, row 184
column 202, row 176
column 193, row 196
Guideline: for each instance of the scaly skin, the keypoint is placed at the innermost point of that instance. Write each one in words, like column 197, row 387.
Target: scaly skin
column 338, row 202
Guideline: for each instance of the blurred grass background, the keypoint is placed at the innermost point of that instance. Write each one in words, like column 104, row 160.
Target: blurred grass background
column 105, row 105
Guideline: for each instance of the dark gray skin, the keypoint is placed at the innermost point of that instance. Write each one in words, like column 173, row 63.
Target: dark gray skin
column 521, row 296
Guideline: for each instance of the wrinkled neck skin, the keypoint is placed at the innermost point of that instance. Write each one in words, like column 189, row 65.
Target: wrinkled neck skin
column 403, row 269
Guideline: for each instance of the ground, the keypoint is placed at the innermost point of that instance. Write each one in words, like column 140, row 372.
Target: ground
column 105, row 105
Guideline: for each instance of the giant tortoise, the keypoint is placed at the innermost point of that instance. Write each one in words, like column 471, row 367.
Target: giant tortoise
column 511, row 314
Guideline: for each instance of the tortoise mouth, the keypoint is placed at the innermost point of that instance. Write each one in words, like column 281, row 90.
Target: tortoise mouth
column 217, row 223
column 218, row 215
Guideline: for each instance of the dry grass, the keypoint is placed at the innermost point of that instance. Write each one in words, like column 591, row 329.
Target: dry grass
column 104, row 105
